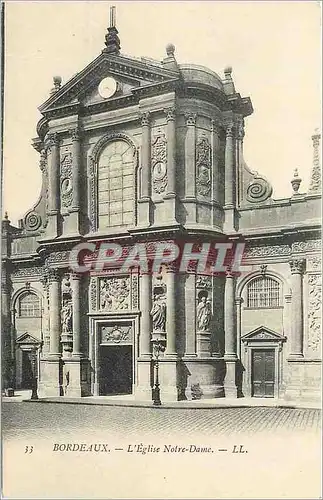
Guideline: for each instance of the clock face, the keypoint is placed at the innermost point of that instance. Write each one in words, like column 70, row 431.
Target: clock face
column 107, row 87
column 159, row 170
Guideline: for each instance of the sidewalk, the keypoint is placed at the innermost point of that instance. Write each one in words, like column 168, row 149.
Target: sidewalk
column 130, row 401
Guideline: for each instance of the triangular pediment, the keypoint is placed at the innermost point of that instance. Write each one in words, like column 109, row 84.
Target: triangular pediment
column 27, row 338
column 129, row 73
column 263, row 333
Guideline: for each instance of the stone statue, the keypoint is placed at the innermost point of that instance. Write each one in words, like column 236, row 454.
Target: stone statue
column 158, row 313
column 67, row 317
column 203, row 314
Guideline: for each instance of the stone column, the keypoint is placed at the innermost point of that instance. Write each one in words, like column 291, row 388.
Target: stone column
column 145, row 155
column 171, row 151
column 75, row 370
column 297, row 268
column 215, row 143
column 45, row 320
column 190, row 145
column 144, row 199
column 54, row 312
column 229, row 188
column 53, row 185
column 50, row 383
column 76, row 168
column 239, row 156
column 76, row 308
column 230, row 355
column 145, row 324
column 171, row 312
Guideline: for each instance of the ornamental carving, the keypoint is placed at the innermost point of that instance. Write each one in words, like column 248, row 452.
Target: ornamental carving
column 297, row 266
column 134, row 291
column 314, row 263
column 66, row 179
column 316, row 175
column 267, row 251
column 115, row 293
column 58, row 257
column 314, row 311
column 145, row 119
column 32, row 221
column 159, row 163
column 93, row 293
column 203, row 167
column 116, row 334
column 306, row 246
column 170, row 114
column 28, row 272
column 190, row 119
column 259, row 190
column 204, row 282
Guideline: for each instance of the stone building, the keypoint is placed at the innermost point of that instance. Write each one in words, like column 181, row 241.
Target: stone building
column 137, row 150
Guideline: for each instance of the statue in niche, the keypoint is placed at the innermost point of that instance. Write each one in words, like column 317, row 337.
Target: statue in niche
column 203, row 312
column 67, row 317
column 158, row 314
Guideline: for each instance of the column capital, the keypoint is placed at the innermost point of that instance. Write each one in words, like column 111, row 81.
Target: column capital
column 190, row 119
column 53, row 139
column 145, row 119
column 75, row 133
column 76, row 276
column 170, row 114
column 240, row 129
column 171, row 268
column 297, row 266
column 229, row 129
column 54, row 274
column 229, row 274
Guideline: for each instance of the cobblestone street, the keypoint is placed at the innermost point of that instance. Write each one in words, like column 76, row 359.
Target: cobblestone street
column 28, row 418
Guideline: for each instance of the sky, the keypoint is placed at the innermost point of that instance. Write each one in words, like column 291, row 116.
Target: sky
column 273, row 47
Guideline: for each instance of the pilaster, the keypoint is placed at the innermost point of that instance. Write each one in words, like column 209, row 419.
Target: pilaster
column 144, row 202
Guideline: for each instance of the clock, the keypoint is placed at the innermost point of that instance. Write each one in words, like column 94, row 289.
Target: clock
column 107, row 87
column 159, row 171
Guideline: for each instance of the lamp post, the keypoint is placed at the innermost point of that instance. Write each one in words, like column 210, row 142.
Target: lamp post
column 33, row 359
column 158, row 347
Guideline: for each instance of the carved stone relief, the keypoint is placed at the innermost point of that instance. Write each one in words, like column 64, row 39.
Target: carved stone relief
column 114, row 293
column 159, row 163
column 66, row 179
column 314, row 311
column 203, row 167
column 116, row 334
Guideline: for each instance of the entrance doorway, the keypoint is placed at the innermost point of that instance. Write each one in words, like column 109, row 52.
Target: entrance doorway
column 116, row 370
column 263, row 373
column 27, row 373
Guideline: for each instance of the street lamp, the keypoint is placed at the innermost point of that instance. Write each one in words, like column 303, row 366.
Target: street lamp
column 33, row 360
column 158, row 347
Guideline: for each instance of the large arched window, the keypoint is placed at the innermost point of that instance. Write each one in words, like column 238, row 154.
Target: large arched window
column 116, row 185
column 29, row 306
column 263, row 292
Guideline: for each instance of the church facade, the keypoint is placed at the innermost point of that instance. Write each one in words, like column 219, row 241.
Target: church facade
column 134, row 150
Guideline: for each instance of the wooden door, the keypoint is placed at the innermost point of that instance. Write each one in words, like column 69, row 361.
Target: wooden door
column 263, row 373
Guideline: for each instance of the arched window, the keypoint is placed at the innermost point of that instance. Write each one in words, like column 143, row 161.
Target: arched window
column 263, row 292
column 116, row 185
column 29, row 306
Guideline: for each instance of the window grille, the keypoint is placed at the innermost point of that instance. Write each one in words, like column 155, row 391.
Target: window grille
column 263, row 292
column 29, row 306
column 116, row 185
